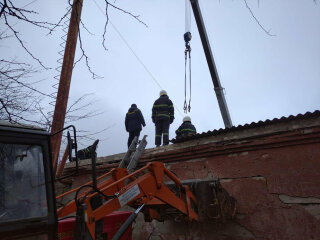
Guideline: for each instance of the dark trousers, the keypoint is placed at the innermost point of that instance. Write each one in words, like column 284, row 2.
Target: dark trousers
column 162, row 128
column 132, row 135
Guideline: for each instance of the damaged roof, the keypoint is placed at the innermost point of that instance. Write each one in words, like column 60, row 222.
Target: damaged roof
column 267, row 122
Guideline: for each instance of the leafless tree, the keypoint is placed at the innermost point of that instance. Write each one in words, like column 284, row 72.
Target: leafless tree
column 10, row 14
column 20, row 100
column 18, row 96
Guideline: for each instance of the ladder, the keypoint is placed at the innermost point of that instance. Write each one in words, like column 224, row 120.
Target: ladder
column 131, row 159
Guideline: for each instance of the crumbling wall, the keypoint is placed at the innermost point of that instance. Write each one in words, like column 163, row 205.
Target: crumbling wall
column 275, row 178
column 276, row 185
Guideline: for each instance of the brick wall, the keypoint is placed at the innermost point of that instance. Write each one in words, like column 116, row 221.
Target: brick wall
column 273, row 172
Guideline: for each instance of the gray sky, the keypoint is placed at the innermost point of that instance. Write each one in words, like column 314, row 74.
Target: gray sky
column 264, row 77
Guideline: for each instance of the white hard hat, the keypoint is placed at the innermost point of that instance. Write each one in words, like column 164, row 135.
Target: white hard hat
column 186, row 119
column 163, row 92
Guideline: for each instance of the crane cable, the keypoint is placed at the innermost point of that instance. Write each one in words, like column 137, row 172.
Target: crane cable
column 187, row 52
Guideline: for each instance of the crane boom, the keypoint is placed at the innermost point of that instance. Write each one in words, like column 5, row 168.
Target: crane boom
column 211, row 64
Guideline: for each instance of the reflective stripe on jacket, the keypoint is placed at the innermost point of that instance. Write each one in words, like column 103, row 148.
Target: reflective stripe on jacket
column 162, row 108
column 186, row 129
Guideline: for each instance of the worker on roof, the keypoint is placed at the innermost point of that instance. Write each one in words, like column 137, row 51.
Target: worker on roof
column 186, row 129
column 133, row 122
column 162, row 117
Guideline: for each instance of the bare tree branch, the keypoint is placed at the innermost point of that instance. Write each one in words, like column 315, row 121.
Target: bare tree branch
column 18, row 97
column 47, row 120
column 10, row 12
column 61, row 19
column 88, row 135
column 79, row 109
column 5, row 108
column 257, row 21
column 22, row 73
column 84, row 55
column 105, row 28
column 3, row 6
column 21, row 14
column 85, row 28
column 22, row 44
column 136, row 17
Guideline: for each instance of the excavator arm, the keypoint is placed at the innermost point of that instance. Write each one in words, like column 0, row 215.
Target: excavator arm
column 145, row 186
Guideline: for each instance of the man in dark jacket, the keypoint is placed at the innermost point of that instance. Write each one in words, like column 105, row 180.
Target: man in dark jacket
column 162, row 117
column 133, row 122
column 186, row 128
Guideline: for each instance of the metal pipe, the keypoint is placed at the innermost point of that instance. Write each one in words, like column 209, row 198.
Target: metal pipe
column 127, row 223
column 63, row 162
column 74, row 145
column 139, row 151
column 211, row 64
column 94, row 163
column 65, row 80
column 125, row 161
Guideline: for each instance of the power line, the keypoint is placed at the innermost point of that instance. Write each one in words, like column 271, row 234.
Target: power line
column 30, row 3
column 133, row 52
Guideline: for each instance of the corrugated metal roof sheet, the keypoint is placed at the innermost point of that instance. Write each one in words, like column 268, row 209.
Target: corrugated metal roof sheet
column 307, row 115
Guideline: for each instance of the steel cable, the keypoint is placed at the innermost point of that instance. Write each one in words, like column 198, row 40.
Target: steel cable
column 133, row 52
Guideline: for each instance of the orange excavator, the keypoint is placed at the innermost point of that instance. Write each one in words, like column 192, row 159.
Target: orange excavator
column 28, row 201
column 143, row 189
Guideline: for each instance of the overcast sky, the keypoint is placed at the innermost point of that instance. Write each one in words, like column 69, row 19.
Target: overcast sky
column 264, row 77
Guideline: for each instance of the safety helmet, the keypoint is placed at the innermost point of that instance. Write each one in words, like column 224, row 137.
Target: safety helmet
column 163, row 92
column 187, row 119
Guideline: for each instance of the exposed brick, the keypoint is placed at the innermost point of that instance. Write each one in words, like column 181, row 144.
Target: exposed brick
column 255, row 166
column 291, row 222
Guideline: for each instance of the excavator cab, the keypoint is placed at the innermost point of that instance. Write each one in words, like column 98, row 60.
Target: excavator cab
column 27, row 197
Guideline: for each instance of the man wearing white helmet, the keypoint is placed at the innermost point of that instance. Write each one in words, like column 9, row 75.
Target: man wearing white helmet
column 186, row 129
column 162, row 117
